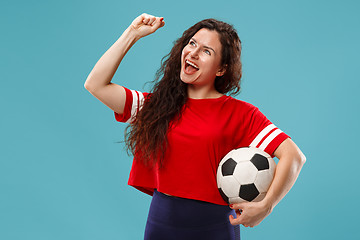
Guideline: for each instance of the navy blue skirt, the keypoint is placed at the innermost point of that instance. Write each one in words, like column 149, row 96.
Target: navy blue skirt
column 174, row 218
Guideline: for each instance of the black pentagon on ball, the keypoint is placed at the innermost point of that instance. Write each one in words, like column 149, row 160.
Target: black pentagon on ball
column 226, row 199
column 260, row 162
column 228, row 167
column 248, row 192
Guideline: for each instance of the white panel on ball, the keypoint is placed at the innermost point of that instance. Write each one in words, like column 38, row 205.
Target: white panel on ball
column 243, row 154
column 230, row 186
column 245, row 172
column 263, row 180
column 236, row 200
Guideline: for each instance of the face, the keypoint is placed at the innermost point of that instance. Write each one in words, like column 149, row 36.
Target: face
column 201, row 58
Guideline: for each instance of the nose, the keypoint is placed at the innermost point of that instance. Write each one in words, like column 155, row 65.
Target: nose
column 194, row 53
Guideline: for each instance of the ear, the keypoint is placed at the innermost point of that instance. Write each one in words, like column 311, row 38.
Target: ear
column 221, row 71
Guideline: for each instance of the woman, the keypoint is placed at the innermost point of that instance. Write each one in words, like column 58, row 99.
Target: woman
column 182, row 129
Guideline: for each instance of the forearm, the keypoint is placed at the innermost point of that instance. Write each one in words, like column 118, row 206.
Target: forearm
column 286, row 174
column 287, row 171
column 105, row 68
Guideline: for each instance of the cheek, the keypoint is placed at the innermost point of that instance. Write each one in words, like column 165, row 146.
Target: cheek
column 183, row 54
column 185, row 51
column 210, row 68
column 210, row 64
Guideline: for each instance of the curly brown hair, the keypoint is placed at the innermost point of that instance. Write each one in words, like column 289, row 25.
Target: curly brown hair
column 147, row 134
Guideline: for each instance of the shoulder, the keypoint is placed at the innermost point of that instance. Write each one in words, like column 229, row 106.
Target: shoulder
column 238, row 104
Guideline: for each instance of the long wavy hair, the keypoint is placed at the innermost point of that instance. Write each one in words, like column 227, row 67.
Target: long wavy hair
column 147, row 134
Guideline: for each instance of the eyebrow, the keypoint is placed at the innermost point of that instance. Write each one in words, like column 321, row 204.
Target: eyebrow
column 204, row 45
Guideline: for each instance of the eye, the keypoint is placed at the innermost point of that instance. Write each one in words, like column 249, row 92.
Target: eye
column 192, row 43
column 207, row 52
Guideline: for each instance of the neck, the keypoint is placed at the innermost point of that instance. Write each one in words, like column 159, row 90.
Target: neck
column 202, row 93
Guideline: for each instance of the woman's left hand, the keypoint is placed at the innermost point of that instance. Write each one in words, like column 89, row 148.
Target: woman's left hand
column 249, row 214
column 291, row 160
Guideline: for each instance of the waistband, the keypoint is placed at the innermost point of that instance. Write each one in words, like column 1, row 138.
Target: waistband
column 185, row 212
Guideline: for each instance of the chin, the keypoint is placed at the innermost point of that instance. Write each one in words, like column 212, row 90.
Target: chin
column 187, row 80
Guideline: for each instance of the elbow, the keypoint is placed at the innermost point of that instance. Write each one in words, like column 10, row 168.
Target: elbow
column 300, row 160
column 89, row 83
column 298, row 156
column 303, row 159
column 86, row 86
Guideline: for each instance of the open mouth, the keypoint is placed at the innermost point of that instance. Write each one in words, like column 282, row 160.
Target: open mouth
column 190, row 67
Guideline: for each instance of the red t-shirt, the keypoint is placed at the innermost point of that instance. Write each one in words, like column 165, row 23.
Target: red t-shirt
column 206, row 132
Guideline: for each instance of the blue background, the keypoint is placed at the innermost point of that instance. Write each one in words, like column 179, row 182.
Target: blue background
column 62, row 174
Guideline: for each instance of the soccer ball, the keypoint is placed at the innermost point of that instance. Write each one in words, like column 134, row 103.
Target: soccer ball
column 245, row 175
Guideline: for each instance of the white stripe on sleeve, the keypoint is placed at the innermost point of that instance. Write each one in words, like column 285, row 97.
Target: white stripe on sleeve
column 141, row 100
column 269, row 138
column 261, row 135
column 138, row 99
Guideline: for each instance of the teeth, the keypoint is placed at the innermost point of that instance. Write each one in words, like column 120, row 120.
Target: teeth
column 192, row 64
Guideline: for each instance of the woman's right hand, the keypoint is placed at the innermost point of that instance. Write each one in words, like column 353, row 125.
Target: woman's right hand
column 146, row 24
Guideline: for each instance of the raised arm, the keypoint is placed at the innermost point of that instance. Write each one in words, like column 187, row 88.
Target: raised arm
column 98, row 83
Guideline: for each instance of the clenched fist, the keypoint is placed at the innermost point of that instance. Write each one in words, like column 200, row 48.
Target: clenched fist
column 146, row 24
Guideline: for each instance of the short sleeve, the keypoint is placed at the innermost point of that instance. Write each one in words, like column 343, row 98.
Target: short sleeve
column 263, row 134
column 133, row 103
